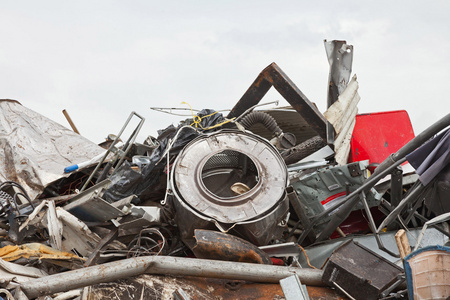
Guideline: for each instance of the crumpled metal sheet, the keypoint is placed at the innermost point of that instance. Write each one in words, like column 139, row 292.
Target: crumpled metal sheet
column 12, row 274
column 34, row 150
column 342, row 116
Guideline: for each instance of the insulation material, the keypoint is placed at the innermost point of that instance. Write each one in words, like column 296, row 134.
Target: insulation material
column 35, row 250
column 34, row 150
column 342, row 116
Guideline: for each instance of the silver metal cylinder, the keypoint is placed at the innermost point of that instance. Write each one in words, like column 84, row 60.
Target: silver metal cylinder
column 204, row 180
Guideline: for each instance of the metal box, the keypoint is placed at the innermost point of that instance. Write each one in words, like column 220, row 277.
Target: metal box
column 360, row 272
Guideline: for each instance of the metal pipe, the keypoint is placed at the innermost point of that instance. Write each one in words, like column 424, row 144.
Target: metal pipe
column 399, row 208
column 166, row 265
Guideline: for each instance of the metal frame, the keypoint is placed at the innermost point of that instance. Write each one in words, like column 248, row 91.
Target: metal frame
column 272, row 75
column 119, row 154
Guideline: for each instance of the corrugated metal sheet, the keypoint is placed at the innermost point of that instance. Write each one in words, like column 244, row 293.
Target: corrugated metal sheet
column 342, row 116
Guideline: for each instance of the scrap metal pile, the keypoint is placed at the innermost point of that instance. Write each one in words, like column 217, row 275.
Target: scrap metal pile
column 282, row 203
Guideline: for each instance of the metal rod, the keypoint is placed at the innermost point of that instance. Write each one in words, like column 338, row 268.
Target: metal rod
column 396, row 186
column 166, row 265
column 112, row 147
column 388, row 209
column 419, row 202
column 373, row 227
column 253, row 107
column 397, row 210
column 344, row 291
column 69, row 119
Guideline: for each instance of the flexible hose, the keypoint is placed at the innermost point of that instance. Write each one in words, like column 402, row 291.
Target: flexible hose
column 262, row 118
column 302, row 150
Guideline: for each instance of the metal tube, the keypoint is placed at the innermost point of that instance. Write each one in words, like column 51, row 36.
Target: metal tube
column 396, row 186
column 374, row 228
column 166, row 265
column 398, row 209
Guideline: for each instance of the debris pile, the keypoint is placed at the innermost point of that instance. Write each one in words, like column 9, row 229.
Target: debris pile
column 281, row 203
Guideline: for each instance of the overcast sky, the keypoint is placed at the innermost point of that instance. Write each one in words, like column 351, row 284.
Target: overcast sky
column 100, row 60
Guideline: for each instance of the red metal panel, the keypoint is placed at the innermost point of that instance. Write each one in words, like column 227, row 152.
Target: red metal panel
column 377, row 135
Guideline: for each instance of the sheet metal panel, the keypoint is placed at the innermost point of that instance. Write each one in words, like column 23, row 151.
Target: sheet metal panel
column 34, row 150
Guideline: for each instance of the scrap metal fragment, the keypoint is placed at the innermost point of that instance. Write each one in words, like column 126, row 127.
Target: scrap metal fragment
column 89, row 206
column 92, row 259
column 340, row 58
column 35, row 149
column 54, row 226
column 78, row 236
column 272, row 75
column 341, row 114
column 360, row 272
column 282, row 250
column 180, row 294
column 293, row 288
column 140, row 216
column 434, row 221
column 12, row 274
column 221, row 246
column 119, row 156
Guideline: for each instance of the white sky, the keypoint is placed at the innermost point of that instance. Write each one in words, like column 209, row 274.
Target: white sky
column 101, row 60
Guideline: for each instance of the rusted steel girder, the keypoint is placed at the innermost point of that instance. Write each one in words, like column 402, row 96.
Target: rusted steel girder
column 272, row 75
column 222, row 246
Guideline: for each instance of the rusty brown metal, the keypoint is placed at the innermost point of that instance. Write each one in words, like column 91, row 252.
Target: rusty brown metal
column 162, row 287
column 222, row 246
column 272, row 75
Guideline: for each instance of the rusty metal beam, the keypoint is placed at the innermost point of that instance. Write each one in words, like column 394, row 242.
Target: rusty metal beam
column 272, row 75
